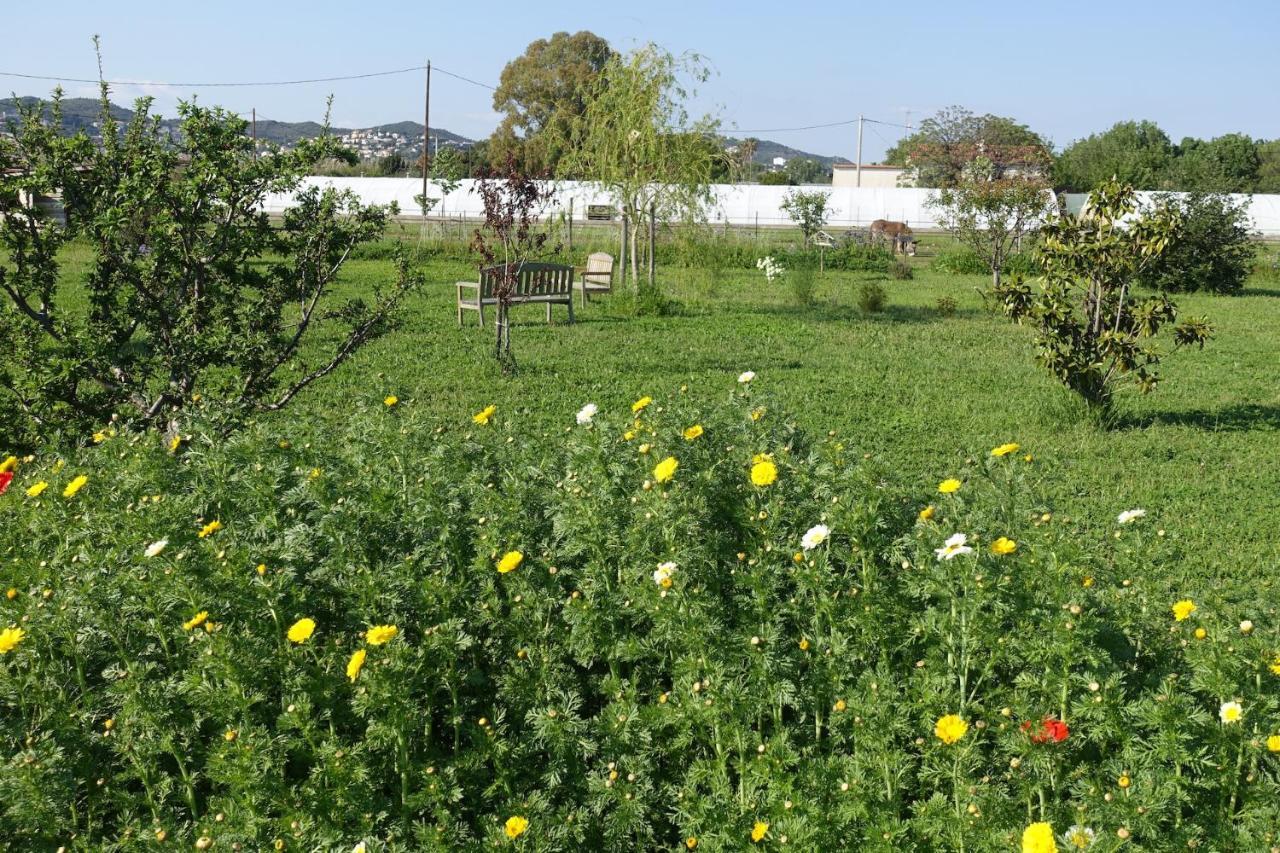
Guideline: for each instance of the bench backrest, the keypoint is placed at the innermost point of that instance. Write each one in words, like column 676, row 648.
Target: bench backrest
column 533, row 279
column 599, row 268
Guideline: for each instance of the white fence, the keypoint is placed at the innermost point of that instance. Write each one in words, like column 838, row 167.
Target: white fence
column 734, row 204
column 1263, row 210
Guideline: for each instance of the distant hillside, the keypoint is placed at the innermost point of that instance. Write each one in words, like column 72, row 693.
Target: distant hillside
column 766, row 150
column 82, row 114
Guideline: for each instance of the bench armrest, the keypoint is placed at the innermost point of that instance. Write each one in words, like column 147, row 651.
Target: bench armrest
column 474, row 285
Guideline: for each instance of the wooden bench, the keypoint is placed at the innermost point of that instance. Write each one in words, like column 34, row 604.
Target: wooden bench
column 596, row 276
column 551, row 284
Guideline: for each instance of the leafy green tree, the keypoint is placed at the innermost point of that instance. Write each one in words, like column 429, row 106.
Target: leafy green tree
column 1268, row 167
column 808, row 210
column 1136, row 153
column 1211, row 248
column 541, row 95
column 992, row 215
column 1092, row 332
column 1227, row 164
column 392, row 165
column 637, row 139
column 802, row 170
column 191, row 291
column 775, row 179
column 938, row 153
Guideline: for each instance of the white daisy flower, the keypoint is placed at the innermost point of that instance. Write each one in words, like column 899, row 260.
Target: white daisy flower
column 586, row 413
column 662, row 575
column 815, row 536
column 1130, row 515
column 154, row 549
column 746, row 376
column 1079, row 837
column 953, row 547
column 1230, row 712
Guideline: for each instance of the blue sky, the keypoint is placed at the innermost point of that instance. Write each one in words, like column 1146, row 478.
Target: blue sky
column 1066, row 69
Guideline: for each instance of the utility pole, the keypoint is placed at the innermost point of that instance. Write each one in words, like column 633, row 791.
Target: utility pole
column 426, row 129
column 858, row 172
column 255, row 133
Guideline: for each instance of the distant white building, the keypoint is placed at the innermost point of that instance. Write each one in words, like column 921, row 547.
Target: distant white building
column 779, row 162
column 873, row 175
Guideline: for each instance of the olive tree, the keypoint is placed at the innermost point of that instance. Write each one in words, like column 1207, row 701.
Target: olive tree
column 637, row 141
column 1093, row 332
column 192, row 291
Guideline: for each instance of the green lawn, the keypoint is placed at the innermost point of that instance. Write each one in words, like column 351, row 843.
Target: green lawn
column 918, row 390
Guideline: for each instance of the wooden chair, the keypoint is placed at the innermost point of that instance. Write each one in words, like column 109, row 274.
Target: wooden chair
column 596, row 276
column 550, row 284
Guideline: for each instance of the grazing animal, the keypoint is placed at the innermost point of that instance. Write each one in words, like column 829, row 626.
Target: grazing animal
column 904, row 242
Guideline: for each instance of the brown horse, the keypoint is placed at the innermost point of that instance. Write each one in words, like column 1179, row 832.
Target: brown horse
column 901, row 235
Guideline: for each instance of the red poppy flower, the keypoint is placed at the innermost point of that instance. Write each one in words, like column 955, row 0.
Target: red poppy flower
column 6, row 477
column 1048, row 730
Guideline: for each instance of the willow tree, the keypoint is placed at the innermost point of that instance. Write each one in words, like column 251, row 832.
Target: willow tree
column 638, row 141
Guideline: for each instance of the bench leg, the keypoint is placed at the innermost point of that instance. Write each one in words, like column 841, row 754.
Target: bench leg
column 459, row 310
column 480, row 305
column 549, row 312
column 584, row 293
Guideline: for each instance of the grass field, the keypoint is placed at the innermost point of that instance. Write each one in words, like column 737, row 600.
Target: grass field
column 920, row 391
column 495, row 660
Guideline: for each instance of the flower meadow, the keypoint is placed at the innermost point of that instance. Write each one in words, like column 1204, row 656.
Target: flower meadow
column 672, row 624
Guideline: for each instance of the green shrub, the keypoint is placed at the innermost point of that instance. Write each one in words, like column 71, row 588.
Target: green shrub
column 961, row 260
column 871, row 297
column 614, row 704
column 900, row 270
column 1211, row 248
column 947, row 306
column 803, row 285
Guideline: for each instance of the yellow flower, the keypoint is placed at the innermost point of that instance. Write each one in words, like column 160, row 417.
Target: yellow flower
column 693, row 432
column 175, row 443
column 949, row 485
column 1230, row 712
column 839, row 706
column 210, row 529
column 1038, row 838
column 691, row 843
column 628, row 435
column 1183, row 609
column 1123, row 781
column 1275, row 665
column 927, row 513
column 9, row 464
column 1004, row 449
column 390, row 400
column 262, row 569
column 758, row 413
column 1273, row 743
column 353, row 665
column 1087, row 582
column 302, row 630
column 1003, row 545
column 516, row 826
column 665, row 470
column 230, row 735
column 764, row 473
column 759, row 830
column 379, row 634
column 950, row 728
column 482, row 417
column 11, row 593
column 645, row 448
column 195, row 621
column 1201, row 633
column 804, row 644
column 9, row 639
column 74, row 486
column 315, row 474
column 99, row 437
column 36, row 490
column 510, row 562
column 641, row 404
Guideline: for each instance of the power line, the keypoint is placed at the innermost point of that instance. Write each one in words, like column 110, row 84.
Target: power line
column 365, row 76
column 819, row 126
